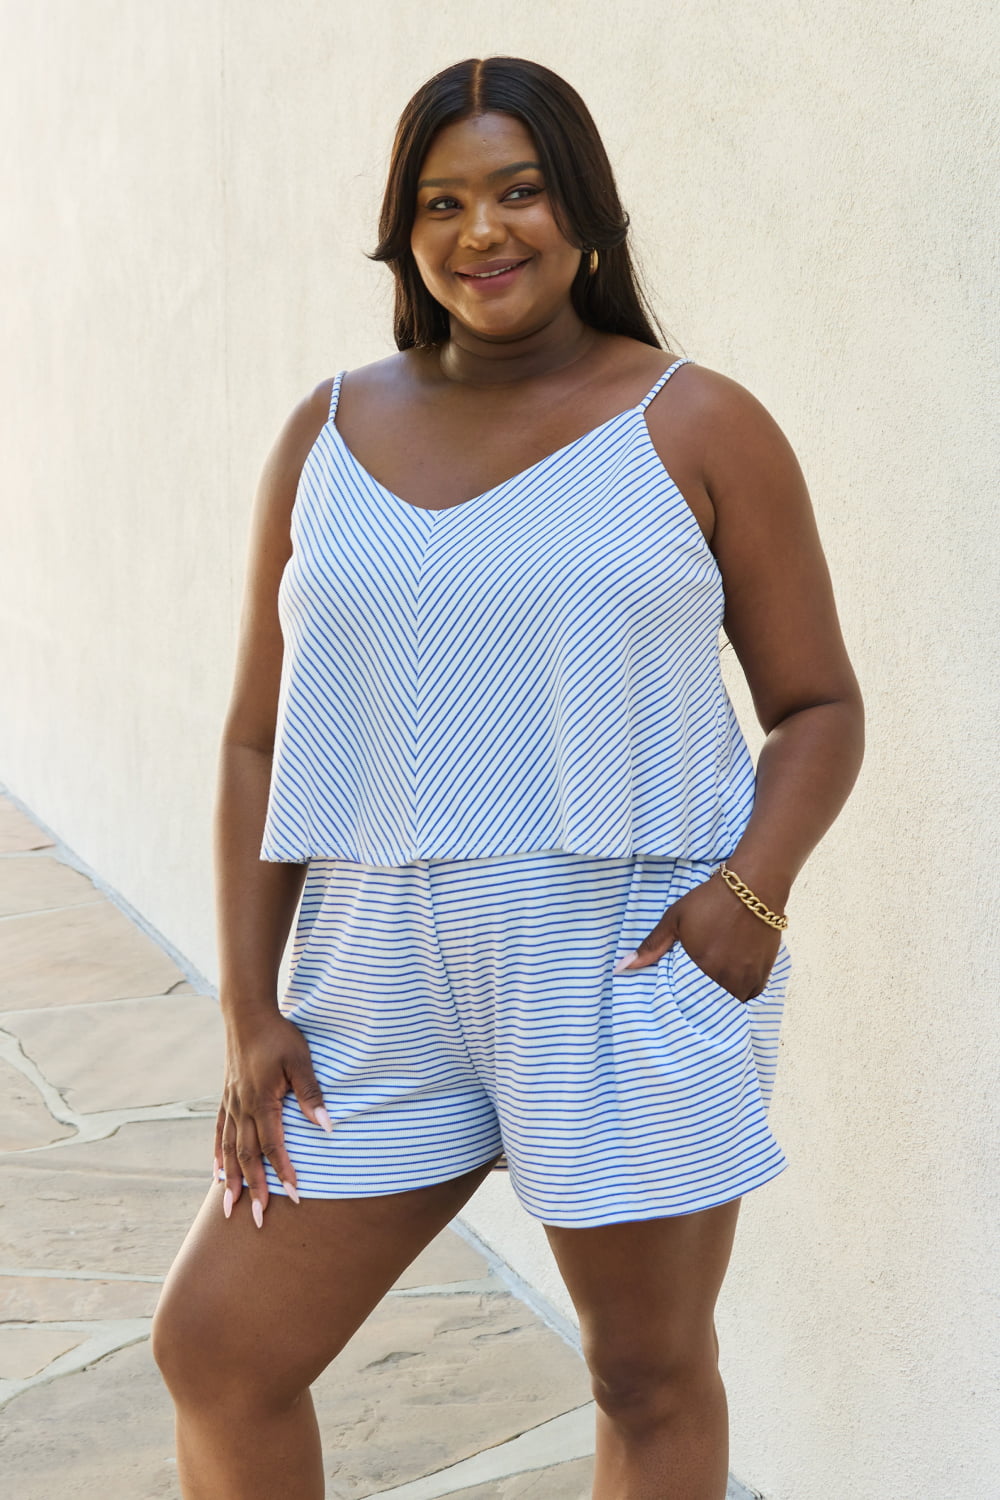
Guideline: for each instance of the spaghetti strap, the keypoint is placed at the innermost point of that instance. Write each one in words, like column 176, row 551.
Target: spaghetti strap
column 686, row 360
column 335, row 394
column 466, row 648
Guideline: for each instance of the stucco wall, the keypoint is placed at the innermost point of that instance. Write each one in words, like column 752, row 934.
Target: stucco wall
column 188, row 190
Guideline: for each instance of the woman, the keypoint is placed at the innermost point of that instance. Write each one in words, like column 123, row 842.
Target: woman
column 481, row 731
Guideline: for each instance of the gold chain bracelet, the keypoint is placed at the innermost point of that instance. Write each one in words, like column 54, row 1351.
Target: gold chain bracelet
column 756, row 905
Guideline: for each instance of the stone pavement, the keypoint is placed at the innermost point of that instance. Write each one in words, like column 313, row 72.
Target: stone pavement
column 110, row 1064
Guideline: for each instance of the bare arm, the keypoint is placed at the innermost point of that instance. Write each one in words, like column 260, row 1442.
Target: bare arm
column 256, row 900
column 782, row 621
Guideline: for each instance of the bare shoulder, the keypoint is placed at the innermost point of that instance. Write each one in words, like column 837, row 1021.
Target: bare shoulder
column 279, row 479
column 743, row 453
column 283, row 466
column 299, row 432
column 722, row 410
column 284, row 463
column 384, row 382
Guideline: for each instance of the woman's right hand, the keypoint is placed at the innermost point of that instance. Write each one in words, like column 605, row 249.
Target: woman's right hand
column 267, row 1057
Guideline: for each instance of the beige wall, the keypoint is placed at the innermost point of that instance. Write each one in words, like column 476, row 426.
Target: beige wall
column 188, row 189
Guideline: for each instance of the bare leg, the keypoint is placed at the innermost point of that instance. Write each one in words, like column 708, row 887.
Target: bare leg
column 249, row 1318
column 645, row 1294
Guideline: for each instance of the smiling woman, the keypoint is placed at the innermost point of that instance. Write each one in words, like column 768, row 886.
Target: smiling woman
column 479, row 736
column 551, row 139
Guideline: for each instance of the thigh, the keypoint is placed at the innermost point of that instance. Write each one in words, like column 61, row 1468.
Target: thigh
column 645, row 1292
column 266, row 1310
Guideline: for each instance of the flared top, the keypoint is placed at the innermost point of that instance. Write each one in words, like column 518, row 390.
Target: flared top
column 535, row 668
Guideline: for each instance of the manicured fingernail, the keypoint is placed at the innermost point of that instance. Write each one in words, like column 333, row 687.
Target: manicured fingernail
column 291, row 1190
column 323, row 1120
column 258, row 1213
column 227, row 1202
column 624, row 962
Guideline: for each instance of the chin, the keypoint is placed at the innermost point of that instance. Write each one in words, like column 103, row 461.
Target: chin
column 504, row 323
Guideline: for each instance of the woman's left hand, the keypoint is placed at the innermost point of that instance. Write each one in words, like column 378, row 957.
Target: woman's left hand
column 720, row 935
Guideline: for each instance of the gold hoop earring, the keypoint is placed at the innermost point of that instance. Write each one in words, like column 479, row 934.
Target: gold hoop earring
column 594, row 262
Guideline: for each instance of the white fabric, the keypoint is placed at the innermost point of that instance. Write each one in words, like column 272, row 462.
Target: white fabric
column 454, row 1007
column 536, row 668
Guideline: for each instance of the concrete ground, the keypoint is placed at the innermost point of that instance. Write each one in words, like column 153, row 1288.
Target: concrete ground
column 110, row 1064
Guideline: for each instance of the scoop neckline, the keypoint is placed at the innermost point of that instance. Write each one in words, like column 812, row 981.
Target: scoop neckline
column 689, row 517
column 496, row 488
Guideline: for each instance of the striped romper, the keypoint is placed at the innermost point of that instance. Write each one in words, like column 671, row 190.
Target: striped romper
column 504, row 748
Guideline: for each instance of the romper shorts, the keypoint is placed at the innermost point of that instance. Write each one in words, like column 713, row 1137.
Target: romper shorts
column 457, row 1008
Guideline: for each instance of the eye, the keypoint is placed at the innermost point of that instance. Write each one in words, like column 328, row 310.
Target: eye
column 522, row 193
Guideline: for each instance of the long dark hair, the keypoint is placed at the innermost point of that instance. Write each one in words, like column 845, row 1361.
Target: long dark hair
column 577, row 173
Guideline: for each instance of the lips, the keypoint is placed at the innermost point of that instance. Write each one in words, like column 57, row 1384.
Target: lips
column 488, row 270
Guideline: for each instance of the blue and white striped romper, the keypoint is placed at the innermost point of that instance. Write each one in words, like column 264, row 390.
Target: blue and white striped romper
column 504, row 747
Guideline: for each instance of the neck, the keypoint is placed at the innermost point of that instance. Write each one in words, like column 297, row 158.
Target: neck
column 470, row 359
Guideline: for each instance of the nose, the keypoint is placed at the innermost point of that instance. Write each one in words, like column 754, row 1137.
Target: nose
column 482, row 226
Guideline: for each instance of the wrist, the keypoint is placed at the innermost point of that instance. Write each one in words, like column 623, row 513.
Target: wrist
column 769, row 883
column 244, row 1006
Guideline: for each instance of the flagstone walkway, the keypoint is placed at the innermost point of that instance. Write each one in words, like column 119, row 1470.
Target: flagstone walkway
column 110, row 1063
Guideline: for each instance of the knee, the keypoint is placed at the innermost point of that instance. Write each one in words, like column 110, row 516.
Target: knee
column 642, row 1386
column 211, row 1357
column 185, row 1348
column 199, row 1341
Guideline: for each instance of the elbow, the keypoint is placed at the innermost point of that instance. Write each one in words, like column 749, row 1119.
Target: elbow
column 244, row 739
column 852, row 709
column 838, row 716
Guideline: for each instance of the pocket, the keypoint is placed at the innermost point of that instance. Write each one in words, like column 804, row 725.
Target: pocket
column 765, row 1016
column 774, row 988
column 706, row 1006
column 777, row 980
column 707, row 978
column 654, row 885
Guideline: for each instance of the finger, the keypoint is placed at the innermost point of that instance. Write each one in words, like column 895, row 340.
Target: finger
column 271, row 1133
column 220, row 1121
column 252, row 1164
column 648, row 952
column 230, row 1166
column 309, row 1094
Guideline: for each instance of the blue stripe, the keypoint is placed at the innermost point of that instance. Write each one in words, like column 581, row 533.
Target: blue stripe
column 454, row 1007
column 504, row 747
column 537, row 668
